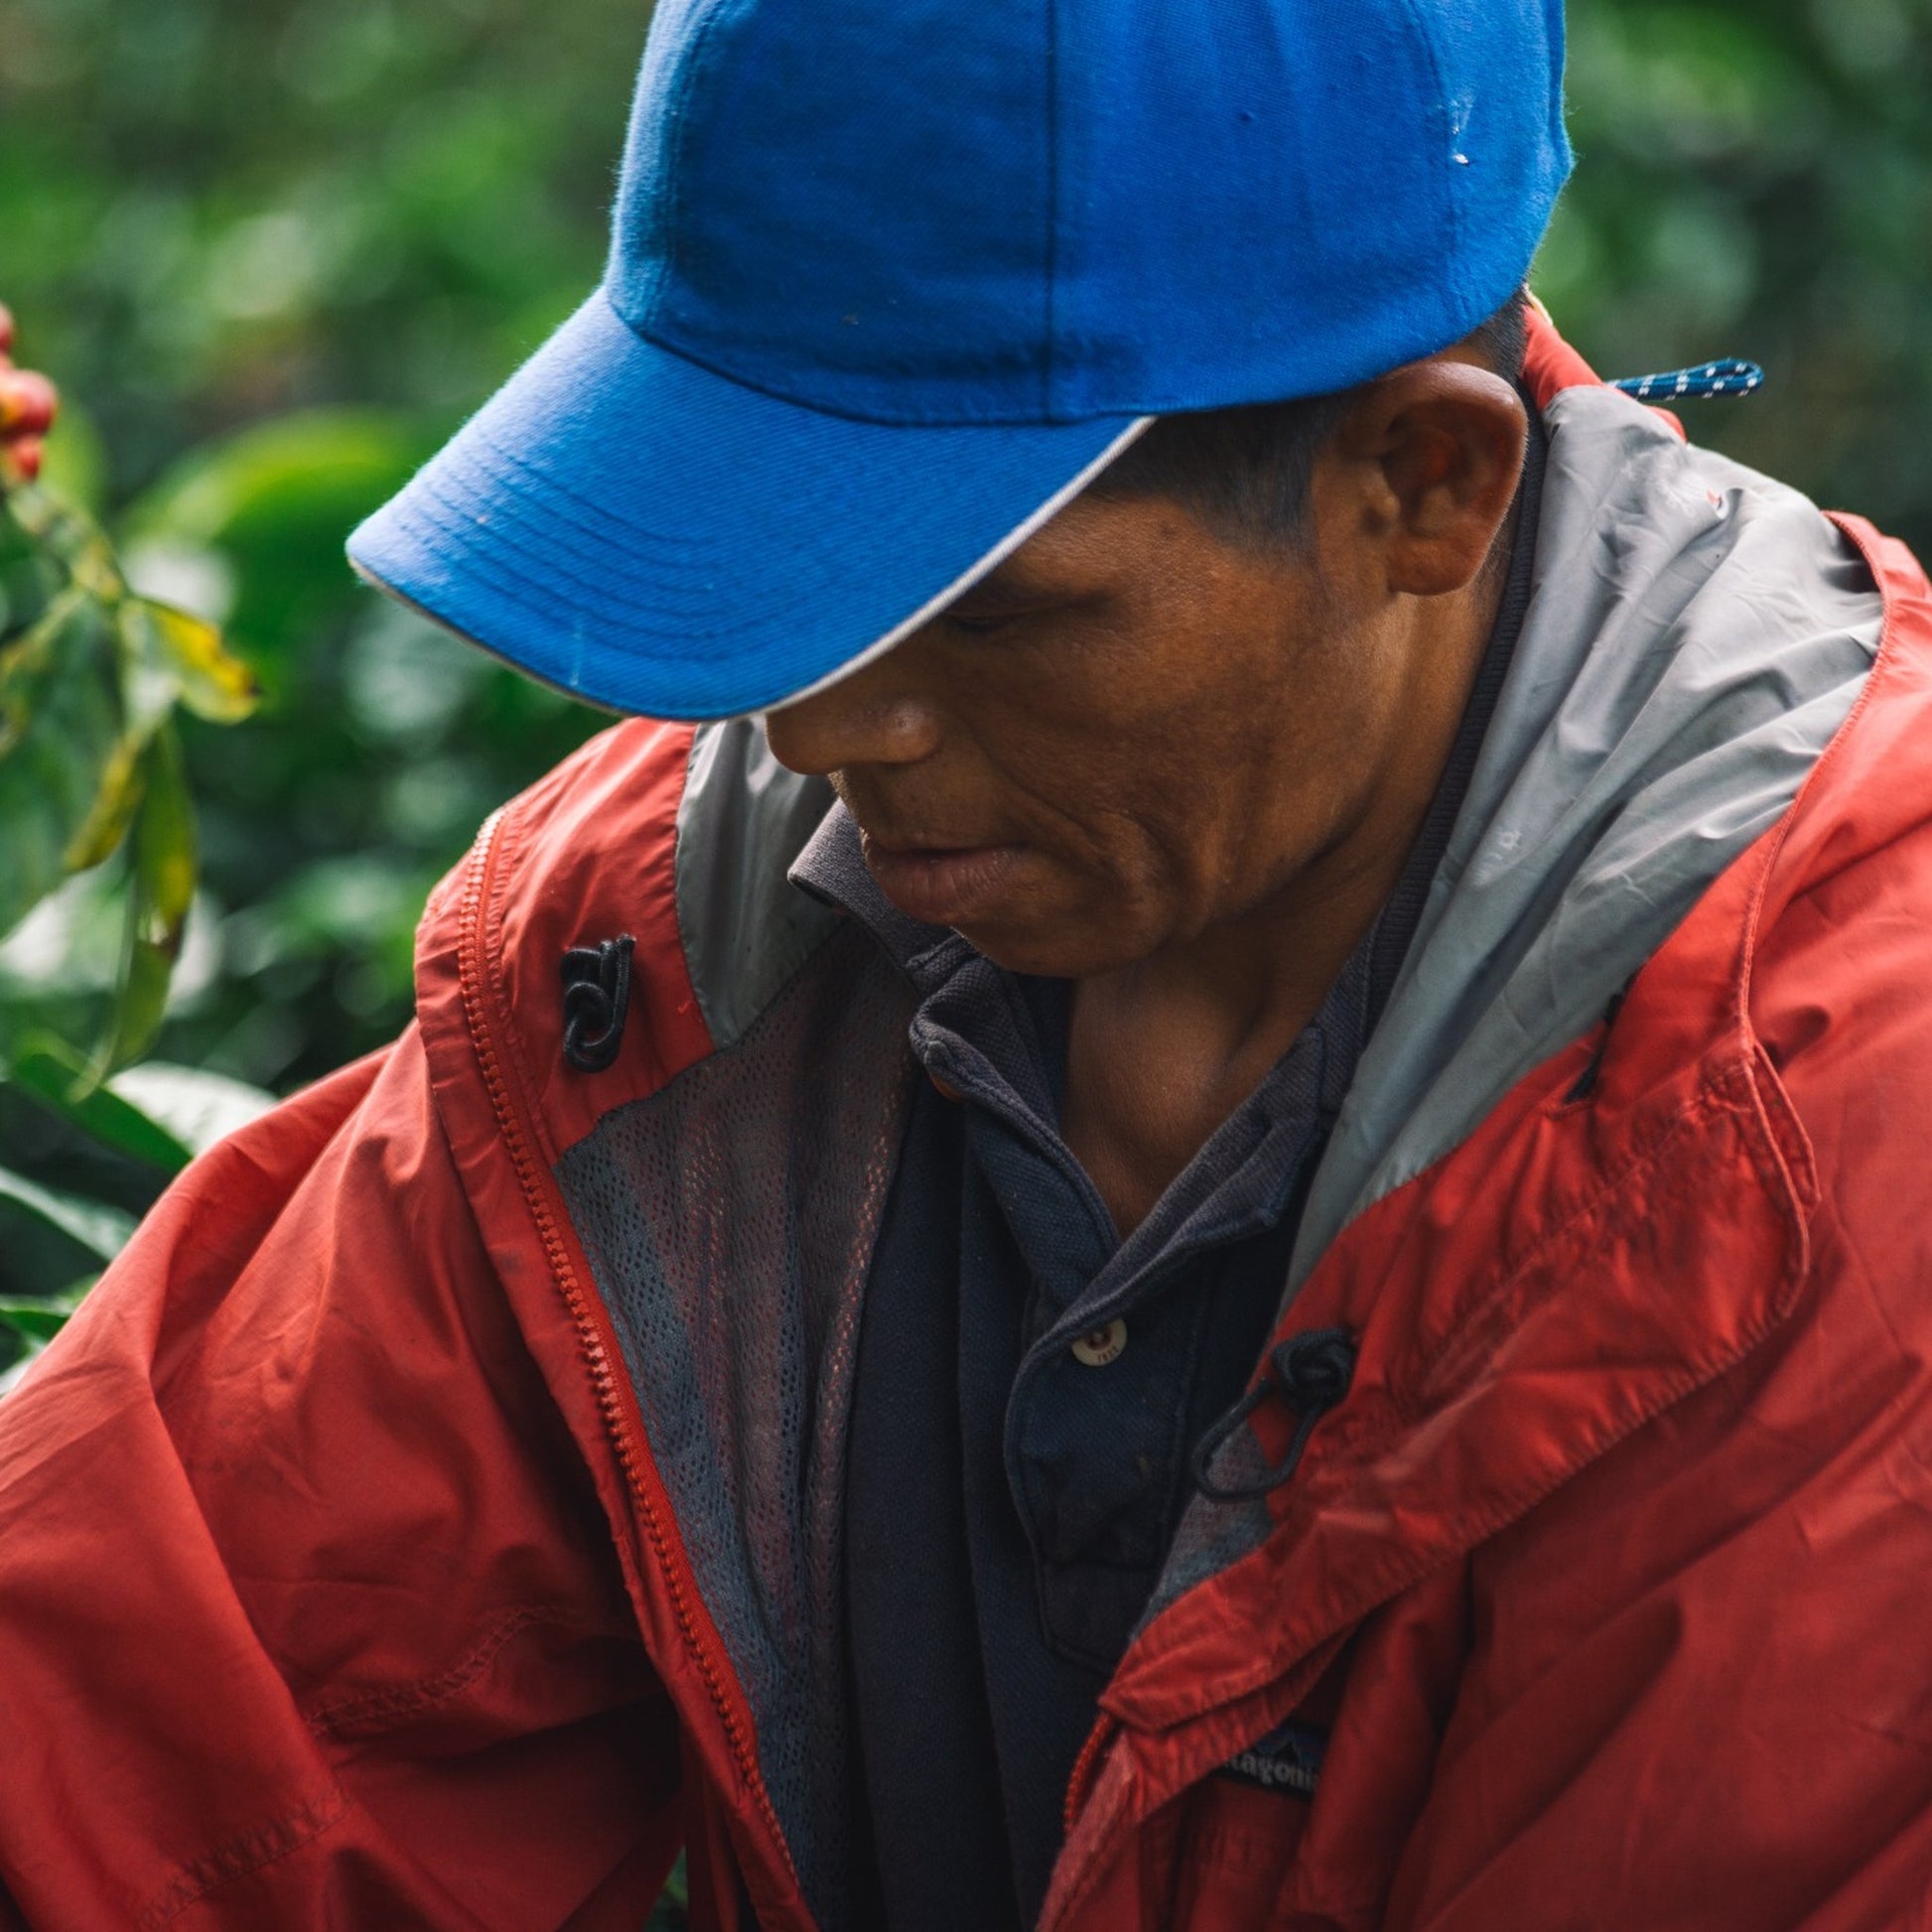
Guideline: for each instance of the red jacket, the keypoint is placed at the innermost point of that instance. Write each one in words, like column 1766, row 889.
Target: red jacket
column 355, row 1568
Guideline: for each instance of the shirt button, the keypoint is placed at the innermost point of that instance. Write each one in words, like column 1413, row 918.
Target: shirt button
column 1100, row 1346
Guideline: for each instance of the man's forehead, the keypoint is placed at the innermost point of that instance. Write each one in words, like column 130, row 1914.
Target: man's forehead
column 1094, row 539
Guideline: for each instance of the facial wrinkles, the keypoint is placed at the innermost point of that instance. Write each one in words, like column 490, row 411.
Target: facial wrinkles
column 1150, row 740
column 1098, row 781
column 1235, row 796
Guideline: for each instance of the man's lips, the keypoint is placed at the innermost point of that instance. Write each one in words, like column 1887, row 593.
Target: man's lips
column 940, row 885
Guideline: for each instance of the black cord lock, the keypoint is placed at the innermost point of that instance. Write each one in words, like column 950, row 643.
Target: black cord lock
column 597, row 996
column 1311, row 1373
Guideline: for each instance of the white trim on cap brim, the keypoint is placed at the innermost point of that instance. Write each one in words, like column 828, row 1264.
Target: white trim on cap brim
column 967, row 577
column 927, row 611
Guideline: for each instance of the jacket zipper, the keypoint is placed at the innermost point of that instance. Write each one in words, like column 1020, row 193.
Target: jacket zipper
column 616, row 1400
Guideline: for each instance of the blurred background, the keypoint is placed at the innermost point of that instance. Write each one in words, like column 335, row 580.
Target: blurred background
column 273, row 250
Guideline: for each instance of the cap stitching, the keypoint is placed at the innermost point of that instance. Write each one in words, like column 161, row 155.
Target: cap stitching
column 1440, row 155
column 1049, row 386
column 684, row 128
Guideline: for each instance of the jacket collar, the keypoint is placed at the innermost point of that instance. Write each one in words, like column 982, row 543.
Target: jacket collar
column 832, row 870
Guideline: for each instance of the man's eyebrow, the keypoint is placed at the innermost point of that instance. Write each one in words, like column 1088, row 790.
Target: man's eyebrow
column 1002, row 590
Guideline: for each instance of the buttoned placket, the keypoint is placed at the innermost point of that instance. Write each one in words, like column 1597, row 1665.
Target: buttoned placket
column 1095, row 1431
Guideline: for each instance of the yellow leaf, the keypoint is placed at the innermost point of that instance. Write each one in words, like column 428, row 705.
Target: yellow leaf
column 100, row 835
column 214, row 683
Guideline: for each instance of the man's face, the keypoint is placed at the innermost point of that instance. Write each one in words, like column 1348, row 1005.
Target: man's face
column 1129, row 733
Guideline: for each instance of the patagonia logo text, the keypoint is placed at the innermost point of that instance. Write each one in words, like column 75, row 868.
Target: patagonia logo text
column 1288, row 1760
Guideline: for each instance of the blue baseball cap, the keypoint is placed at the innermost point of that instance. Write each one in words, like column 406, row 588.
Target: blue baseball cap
column 891, row 280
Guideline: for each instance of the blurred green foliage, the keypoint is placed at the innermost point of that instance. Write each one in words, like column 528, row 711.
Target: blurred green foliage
column 90, row 762
column 94, row 682
column 1755, row 178
column 279, row 248
column 273, row 253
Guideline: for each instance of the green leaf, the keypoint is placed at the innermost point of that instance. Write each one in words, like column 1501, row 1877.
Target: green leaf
column 317, row 466
column 29, row 577
column 33, row 1321
column 149, row 686
column 194, row 1107
column 161, row 888
column 275, row 501
column 61, row 727
column 117, row 794
column 58, row 1078
column 90, row 678
column 100, row 1229
column 68, row 536
column 77, row 462
column 39, row 1320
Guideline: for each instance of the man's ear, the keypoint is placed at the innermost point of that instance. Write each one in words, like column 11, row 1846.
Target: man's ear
column 1432, row 457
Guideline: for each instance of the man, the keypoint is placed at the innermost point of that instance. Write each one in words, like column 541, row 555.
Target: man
column 1226, row 1235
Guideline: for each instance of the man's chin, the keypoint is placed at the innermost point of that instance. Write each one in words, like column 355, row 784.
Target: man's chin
column 1010, row 903
column 1068, row 947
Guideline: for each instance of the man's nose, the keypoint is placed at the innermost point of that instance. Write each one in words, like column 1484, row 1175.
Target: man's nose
column 873, row 717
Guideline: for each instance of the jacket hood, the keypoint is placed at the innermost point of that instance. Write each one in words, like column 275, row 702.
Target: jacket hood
column 1696, row 634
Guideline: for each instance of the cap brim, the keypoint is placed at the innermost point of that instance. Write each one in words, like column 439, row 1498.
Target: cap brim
column 659, row 539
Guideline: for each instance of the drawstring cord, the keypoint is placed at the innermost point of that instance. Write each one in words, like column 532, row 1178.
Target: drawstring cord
column 1732, row 376
column 597, row 995
column 1311, row 1373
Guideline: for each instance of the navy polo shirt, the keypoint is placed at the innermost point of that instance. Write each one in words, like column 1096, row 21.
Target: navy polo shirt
column 1031, row 1386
